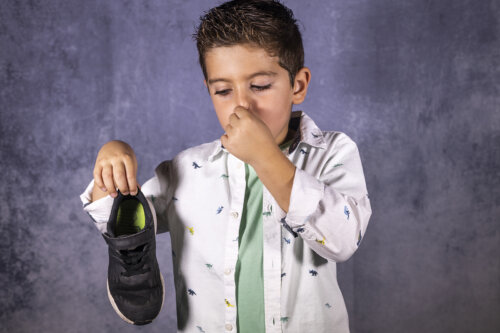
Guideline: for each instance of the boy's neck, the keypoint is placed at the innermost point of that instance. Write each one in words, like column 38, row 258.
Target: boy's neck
column 289, row 136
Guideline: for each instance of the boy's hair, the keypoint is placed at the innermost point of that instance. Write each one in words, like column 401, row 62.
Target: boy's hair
column 264, row 23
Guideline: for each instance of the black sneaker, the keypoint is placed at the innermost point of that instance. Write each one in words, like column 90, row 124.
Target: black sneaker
column 135, row 285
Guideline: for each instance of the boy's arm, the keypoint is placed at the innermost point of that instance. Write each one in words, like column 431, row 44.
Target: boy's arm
column 98, row 210
column 330, row 213
column 277, row 173
column 250, row 140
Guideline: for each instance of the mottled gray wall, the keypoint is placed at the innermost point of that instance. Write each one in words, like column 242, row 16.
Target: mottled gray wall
column 415, row 83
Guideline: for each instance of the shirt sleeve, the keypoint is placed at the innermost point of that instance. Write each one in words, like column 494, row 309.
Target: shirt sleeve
column 331, row 213
column 98, row 210
column 155, row 190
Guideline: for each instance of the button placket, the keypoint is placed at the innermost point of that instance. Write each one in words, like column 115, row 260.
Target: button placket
column 271, row 263
column 236, row 181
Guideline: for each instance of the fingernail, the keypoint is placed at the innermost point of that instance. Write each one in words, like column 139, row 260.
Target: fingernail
column 125, row 193
column 113, row 195
column 104, row 189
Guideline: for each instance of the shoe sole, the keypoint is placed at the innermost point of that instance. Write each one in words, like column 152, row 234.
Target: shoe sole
column 122, row 316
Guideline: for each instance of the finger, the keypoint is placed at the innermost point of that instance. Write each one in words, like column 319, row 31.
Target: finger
column 233, row 118
column 240, row 111
column 223, row 140
column 107, row 177
column 120, row 178
column 98, row 178
column 229, row 128
column 131, row 172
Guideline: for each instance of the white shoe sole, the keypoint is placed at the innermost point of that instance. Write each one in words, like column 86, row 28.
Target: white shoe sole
column 122, row 316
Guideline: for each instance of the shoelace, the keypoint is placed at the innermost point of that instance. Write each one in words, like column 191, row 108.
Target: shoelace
column 133, row 260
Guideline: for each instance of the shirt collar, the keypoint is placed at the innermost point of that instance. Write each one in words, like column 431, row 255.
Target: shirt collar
column 217, row 150
column 307, row 133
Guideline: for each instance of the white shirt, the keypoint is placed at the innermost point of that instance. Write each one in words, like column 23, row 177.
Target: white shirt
column 198, row 197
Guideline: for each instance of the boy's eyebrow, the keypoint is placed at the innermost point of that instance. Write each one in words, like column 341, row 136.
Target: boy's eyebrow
column 264, row 73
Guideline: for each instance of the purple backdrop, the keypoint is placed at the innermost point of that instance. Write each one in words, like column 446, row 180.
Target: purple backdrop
column 415, row 83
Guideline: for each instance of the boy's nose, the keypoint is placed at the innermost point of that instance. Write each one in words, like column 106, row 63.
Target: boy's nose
column 243, row 100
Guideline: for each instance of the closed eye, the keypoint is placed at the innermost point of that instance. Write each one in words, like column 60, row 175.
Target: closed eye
column 222, row 92
column 260, row 88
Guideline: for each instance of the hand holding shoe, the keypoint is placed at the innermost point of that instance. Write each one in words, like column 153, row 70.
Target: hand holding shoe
column 115, row 168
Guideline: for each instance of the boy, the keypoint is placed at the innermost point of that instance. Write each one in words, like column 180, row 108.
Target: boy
column 258, row 218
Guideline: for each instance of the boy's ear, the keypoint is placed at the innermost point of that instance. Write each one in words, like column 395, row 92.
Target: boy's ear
column 301, row 82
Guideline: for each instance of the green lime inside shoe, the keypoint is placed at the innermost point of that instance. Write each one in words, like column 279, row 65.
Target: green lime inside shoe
column 130, row 218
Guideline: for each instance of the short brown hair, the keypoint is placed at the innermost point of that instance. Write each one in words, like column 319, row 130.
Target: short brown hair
column 265, row 23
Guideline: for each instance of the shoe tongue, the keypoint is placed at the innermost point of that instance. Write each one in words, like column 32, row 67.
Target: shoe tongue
column 127, row 242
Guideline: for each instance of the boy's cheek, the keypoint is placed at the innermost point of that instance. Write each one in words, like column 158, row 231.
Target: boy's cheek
column 273, row 122
column 222, row 115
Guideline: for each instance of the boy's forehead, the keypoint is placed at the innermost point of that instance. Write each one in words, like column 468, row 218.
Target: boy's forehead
column 240, row 60
column 216, row 78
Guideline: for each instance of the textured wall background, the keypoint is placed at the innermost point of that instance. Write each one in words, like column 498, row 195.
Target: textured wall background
column 415, row 83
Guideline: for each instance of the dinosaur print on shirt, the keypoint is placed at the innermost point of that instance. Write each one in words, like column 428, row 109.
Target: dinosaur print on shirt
column 313, row 272
column 268, row 213
column 347, row 212
column 322, row 241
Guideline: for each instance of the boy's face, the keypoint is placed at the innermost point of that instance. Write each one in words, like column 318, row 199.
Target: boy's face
column 246, row 76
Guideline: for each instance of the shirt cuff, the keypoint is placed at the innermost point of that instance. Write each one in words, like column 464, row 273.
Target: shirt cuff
column 98, row 210
column 307, row 191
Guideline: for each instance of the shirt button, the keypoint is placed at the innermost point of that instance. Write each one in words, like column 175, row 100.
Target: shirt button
column 234, row 214
column 227, row 271
column 229, row 327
